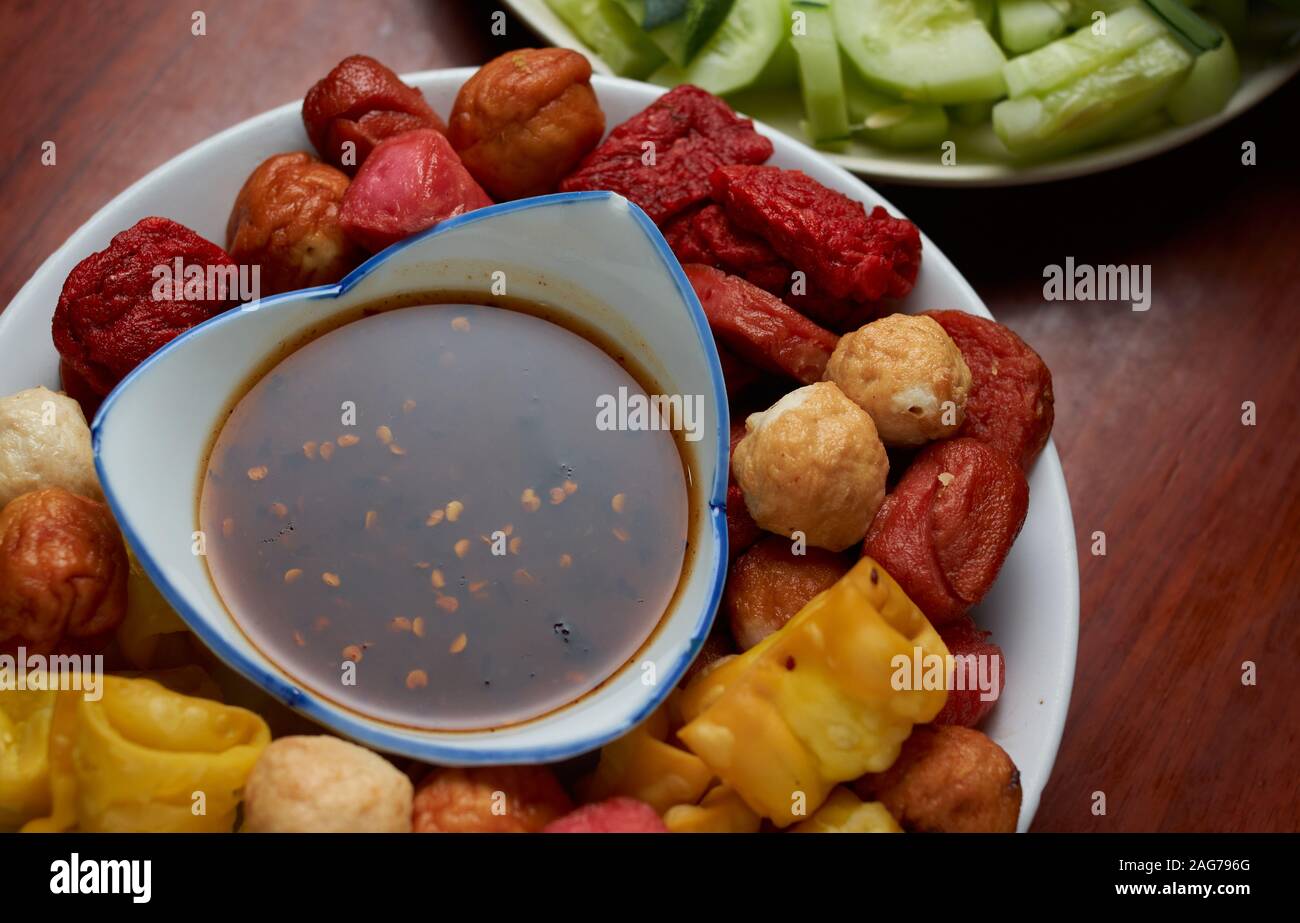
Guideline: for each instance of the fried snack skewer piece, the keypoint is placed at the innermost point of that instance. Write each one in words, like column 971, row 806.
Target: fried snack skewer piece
column 814, row 703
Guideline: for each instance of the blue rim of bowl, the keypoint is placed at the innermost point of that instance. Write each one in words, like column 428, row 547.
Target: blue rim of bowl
column 370, row 731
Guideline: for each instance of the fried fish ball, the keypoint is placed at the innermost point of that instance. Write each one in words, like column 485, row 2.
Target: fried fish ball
column 812, row 463
column 908, row 374
column 320, row 784
column 489, row 799
column 44, row 442
column 525, row 120
column 63, row 572
column 286, row 221
column 768, row 584
column 948, row 779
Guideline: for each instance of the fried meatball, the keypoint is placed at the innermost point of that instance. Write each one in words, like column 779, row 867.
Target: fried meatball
column 320, row 784
column 44, row 442
column 908, row 374
column 286, row 221
column 812, row 463
column 119, row 306
column 490, row 799
column 525, row 121
column 361, row 102
column 949, row 780
column 63, row 572
column 768, row 584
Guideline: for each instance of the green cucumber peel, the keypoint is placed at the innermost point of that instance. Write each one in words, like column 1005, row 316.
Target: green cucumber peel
column 1191, row 30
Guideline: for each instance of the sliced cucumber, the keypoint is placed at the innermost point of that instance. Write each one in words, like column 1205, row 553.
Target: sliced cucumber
column 1096, row 106
column 1028, row 24
column 610, row 32
column 703, row 17
column 971, row 113
column 1070, row 58
column 736, row 54
column 820, row 77
column 1231, row 14
column 670, row 38
column 1186, row 26
column 651, row 13
column 782, row 70
column 1214, row 78
column 1149, row 124
column 681, row 37
column 887, row 120
column 934, row 51
column 1084, row 12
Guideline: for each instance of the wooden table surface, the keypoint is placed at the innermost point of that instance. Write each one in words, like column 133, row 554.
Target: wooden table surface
column 1201, row 513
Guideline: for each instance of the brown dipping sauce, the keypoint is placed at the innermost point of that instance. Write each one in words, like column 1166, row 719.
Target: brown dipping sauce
column 374, row 543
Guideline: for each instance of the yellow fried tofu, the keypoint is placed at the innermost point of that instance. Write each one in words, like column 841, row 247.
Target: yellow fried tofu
column 643, row 766
column 721, row 811
column 844, row 812
column 814, row 703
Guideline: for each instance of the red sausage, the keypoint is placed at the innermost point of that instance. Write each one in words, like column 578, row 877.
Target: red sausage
column 706, row 235
column 846, row 251
column 409, row 183
column 1010, row 404
column 737, row 374
column 661, row 158
column 945, row 542
column 968, row 706
column 759, row 327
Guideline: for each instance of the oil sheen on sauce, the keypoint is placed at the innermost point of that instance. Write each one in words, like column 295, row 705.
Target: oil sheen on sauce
column 417, row 516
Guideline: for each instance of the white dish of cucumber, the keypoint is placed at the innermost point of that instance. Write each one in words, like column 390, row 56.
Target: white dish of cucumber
column 953, row 92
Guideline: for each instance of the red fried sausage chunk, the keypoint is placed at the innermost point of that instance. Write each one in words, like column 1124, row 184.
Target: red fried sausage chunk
column 946, row 528
column 108, row 319
column 364, row 102
column 1010, row 404
column 845, row 251
column 759, row 327
column 408, row 183
column 842, row 315
column 968, row 705
column 616, row 815
column 737, row 374
column 661, row 158
column 706, row 235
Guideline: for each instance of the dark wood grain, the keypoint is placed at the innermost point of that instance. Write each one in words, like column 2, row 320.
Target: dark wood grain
column 1201, row 514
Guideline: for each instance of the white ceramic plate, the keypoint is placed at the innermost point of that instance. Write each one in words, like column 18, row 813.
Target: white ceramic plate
column 1033, row 610
column 981, row 159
